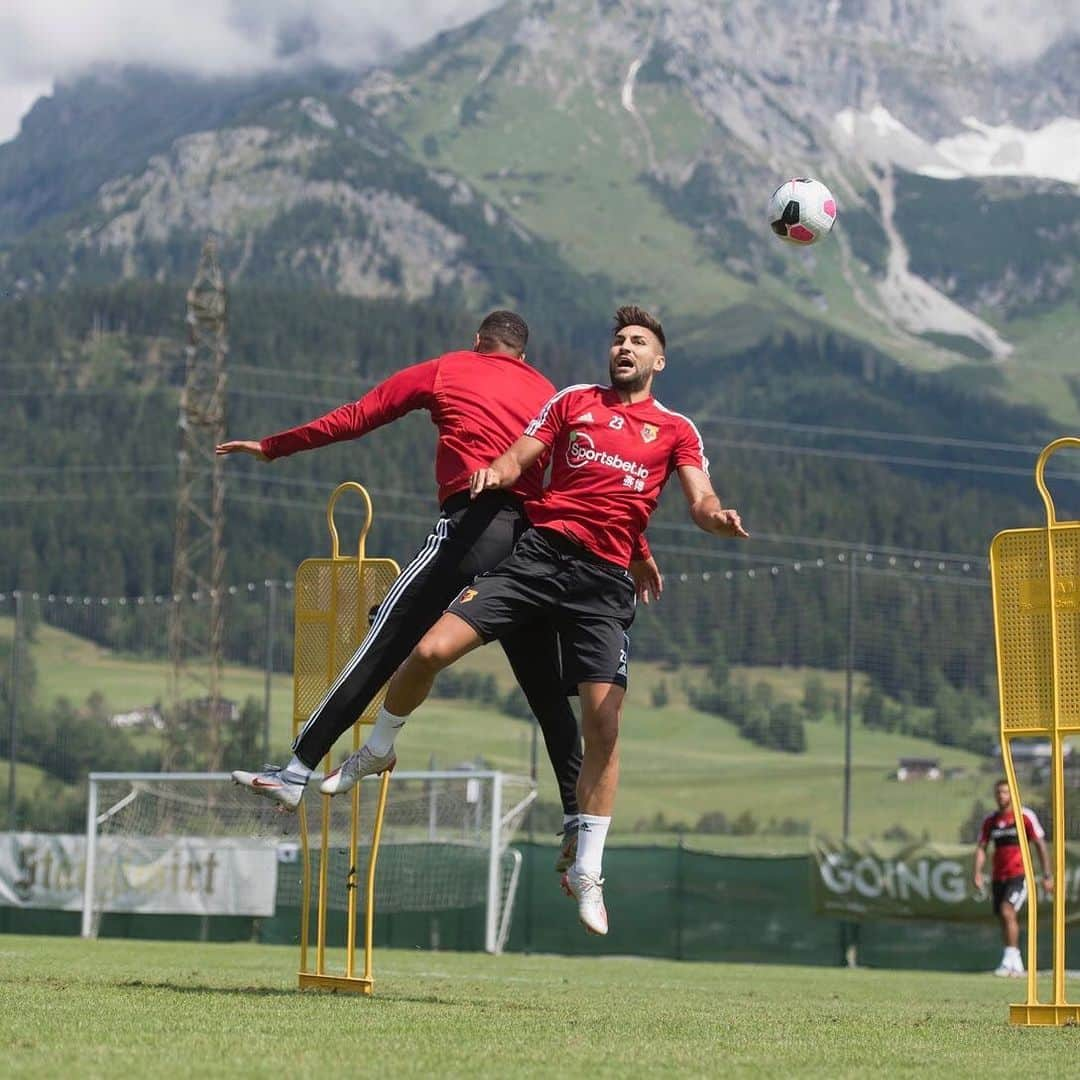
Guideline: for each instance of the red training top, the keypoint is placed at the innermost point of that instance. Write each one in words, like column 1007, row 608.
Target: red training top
column 480, row 403
column 1000, row 826
column 610, row 461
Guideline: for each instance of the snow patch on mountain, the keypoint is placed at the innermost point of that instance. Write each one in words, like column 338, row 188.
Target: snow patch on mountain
column 1051, row 152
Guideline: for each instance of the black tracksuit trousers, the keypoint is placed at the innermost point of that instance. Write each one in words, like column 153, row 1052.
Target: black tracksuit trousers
column 469, row 538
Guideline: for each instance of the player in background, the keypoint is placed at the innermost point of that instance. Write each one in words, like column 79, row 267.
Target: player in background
column 479, row 400
column 1008, row 884
column 612, row 449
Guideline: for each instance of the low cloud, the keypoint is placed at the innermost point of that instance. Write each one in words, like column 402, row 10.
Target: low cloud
column 45, row 40
column 1017, row 31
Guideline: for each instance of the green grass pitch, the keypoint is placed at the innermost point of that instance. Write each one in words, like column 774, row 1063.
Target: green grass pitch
column 134, row 1009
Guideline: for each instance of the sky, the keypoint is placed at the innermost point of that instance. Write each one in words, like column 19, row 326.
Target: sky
column 45, row 40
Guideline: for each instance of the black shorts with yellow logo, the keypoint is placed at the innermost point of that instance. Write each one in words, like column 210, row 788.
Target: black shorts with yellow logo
column 589, row 600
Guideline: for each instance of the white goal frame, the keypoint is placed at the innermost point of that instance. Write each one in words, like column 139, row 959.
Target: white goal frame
column 501, row 823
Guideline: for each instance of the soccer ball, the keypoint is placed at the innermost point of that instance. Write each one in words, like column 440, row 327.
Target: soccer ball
column 802, row 211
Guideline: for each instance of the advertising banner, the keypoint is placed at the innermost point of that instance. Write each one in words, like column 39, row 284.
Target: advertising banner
column 864, row 880
column 155, row 875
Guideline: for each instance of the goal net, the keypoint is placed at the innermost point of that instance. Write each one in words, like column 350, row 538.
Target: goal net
column 195, row 843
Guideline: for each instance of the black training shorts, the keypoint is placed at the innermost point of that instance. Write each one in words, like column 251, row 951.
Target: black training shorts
column 590, row 601
column 1012, row 890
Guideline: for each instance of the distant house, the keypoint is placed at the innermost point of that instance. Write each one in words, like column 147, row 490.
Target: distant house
column 145, row 716
column 918, row 768
column 1032, row 751
column 228, row 711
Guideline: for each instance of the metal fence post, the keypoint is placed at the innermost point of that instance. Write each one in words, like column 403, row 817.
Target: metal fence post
column 271, row 618
column 491, row 930
column 680, row 897
column 90, row 866
column 13, row 716
column 849, row 703
column 849, row 936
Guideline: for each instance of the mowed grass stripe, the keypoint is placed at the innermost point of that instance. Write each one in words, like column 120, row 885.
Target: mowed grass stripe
column 112, row 1008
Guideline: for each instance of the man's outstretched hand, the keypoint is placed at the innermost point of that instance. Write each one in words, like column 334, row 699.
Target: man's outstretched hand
column 241, row 446
column 725, row 523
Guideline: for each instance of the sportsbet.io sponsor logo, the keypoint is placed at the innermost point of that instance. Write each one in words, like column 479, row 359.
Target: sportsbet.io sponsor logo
column 581, row 450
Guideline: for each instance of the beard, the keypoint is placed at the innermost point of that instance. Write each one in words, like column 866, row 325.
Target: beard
column 630, row 382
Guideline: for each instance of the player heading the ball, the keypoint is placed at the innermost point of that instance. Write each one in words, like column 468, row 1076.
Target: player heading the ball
column 612, row 450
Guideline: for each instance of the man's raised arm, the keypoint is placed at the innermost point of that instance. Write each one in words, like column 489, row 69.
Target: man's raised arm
column 505, row 470
column 411, row 388
column 705, row 508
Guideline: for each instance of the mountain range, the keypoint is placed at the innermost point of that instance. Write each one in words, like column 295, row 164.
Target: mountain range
column 570, row 152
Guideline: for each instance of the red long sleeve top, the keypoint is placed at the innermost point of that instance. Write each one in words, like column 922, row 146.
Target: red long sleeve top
column 480, row 403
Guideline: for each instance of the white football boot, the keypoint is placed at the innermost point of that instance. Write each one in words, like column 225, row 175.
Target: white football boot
column 275, row 783
column 588, row 891
column 357, row 765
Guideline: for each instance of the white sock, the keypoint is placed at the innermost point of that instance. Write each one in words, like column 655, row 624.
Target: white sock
column 1012, row 955
column 383, row 732
column 592, row 832
column 296, row 768
column 569, row 821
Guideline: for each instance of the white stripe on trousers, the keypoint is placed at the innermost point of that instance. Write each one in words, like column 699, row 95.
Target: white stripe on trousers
column 426, row 555
column 1019, row 902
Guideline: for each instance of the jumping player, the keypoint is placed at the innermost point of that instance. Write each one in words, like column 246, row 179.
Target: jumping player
column 1008, row 884
column 612, row 449
column 480, row 400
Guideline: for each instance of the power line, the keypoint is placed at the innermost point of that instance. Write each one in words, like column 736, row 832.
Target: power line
column 427, row 497
column 865, row 433
column 252, row 369
column 889, row 459
column 292, row 373
column 935, row 570
column 86, row 496
column 816, row 541
column 91, row 391
column 806, row 451
column 393, row 493
column 20, row 470
column 396, row 515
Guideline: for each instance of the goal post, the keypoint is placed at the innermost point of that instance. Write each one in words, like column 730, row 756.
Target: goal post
column 446, row 845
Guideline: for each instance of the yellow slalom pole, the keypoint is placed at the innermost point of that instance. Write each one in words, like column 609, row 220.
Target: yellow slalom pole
column 1057, row 765
column 305, row 899
column 1029, row 874
column 1056, row 759
column 1038, row 669
column 332, row 600
column 350, row 881
column 373, row 858
column 324, row 896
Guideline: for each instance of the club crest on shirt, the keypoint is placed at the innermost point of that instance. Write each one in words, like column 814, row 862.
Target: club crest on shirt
column 466, row 596
column 649, row 432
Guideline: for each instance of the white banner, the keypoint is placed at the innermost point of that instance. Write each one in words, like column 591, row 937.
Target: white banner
column 154, row 875
column 42, row 870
